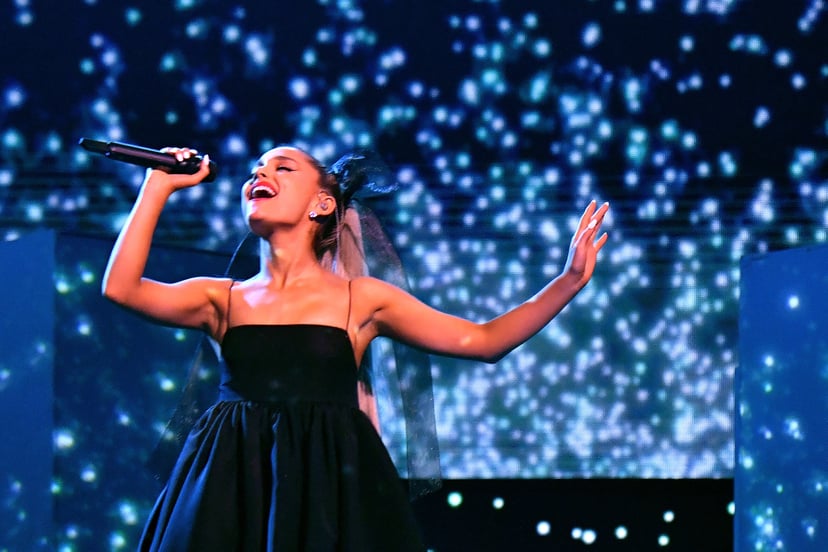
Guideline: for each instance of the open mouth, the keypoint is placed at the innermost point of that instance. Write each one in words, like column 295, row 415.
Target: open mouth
column 261, row 191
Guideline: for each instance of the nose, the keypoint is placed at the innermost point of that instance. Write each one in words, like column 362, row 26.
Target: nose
column 257, row 174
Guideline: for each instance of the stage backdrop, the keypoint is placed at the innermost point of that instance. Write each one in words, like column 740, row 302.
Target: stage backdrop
column 87, row 390
column 703, row 123
column 88, row 386
column 781, row 481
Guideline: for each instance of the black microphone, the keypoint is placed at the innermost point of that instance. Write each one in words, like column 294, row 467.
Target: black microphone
column 146, row 157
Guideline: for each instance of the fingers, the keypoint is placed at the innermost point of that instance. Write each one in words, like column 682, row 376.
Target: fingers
column 588, row 213
column 590, row 225
column 204, row 169
column 593, row 217
column 177, row 179
column 180, row 154
column 598, row 217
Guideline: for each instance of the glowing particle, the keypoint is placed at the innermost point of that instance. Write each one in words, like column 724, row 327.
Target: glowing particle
column 591, row 34
column 166, row 384
column 299, row 88
column 88, row 474
column 64, row 439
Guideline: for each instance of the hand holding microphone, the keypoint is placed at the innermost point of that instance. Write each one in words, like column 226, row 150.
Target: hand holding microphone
column 150, row 158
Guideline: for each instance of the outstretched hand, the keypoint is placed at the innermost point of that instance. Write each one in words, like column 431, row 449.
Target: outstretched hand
column 584, row 248
column 159, row 177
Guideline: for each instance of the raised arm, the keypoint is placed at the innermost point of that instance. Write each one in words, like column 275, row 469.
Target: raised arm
column 191, row 303
column 403, row 317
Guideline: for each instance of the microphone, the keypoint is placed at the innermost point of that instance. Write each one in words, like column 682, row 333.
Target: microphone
column 146, row 157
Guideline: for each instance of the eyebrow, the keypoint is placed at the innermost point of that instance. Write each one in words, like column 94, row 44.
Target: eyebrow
column 259, row 163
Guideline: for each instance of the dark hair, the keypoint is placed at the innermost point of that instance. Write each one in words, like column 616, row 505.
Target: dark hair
column 360, row 173
column 325, row 239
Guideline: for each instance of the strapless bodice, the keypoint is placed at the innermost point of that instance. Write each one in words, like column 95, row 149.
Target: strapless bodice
column 288, row 363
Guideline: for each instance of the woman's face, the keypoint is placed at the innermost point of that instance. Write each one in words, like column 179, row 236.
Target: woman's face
column 281, row 191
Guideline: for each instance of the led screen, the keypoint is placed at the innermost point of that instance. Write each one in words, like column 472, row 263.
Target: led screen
column 703, row 123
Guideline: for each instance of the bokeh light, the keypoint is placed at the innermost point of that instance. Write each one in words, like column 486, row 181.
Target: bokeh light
column 500, row 121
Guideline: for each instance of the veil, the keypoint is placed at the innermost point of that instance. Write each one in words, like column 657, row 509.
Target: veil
column 395, row 387
column 395, row 384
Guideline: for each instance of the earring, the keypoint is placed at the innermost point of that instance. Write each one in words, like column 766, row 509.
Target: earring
column 313, row 215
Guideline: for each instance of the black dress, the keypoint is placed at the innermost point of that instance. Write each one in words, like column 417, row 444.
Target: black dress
column 285, row 461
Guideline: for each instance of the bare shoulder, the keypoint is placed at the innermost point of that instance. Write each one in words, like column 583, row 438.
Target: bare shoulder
column 368, row 285
column 377, row 294
column 216, row 290
column 211, row 285
column 198, row 302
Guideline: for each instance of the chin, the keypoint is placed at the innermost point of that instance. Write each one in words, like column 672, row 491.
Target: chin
column 259, row 227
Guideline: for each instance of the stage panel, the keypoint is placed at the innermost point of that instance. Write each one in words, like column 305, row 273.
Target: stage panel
column 781, row 478
column 632, row 515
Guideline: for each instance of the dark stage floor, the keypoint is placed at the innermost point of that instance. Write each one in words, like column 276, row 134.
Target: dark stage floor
column 579, row 514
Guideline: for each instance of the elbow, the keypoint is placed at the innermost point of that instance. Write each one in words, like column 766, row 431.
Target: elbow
column 492, row 347
column 114, row 293
column 493, row 358
column 109, row 293
column 481, row 346
column 490, row 354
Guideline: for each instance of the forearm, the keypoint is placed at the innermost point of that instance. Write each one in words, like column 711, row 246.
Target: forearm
column 398, row 315
column 513, row 328
column 129, row 255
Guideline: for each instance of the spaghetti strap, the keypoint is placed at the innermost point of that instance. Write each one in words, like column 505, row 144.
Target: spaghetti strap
column 227, row 314
column 348, row 320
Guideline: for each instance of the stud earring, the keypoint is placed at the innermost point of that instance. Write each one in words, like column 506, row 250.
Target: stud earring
column 313, row 215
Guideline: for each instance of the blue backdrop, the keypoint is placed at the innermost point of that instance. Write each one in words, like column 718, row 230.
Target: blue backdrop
column 703, row 123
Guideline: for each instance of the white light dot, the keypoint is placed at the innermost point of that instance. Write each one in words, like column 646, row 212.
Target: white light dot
column 117, row 541
column 88, row 474
column 64, row 439
column 128, row 513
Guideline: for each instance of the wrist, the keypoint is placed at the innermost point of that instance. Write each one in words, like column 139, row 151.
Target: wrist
column 157, row 186
column 573, row 281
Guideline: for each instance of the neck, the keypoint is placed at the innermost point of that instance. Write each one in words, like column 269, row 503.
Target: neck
column 284, row 258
